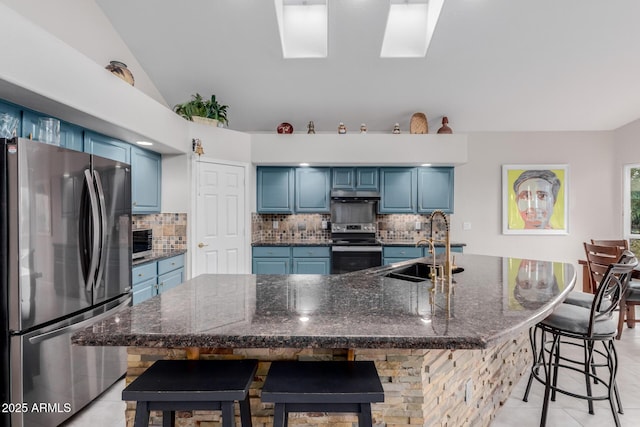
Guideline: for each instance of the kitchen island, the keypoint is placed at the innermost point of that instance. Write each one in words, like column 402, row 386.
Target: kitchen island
column 443, row 358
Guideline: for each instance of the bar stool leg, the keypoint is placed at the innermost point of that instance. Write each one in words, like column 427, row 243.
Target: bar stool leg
column 364, row 416
column 228, row 416
column 245, row 412
column 279, row 415
column 168, row 419
column 142, row 414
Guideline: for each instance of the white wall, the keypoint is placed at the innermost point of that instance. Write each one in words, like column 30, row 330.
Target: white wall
column 82, row 25
column 593, row 177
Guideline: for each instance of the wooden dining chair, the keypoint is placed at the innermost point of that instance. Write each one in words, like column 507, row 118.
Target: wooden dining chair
column 631, row 298
column 598, row 259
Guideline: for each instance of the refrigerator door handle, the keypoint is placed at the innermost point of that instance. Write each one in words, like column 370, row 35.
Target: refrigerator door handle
column 80, row 325
column 103, row 229
column 96, row 237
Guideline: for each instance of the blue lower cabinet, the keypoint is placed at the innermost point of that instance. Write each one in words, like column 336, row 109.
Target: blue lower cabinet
column 144, row 290
column 311, row 260
column 156, row 277
column 291, row 260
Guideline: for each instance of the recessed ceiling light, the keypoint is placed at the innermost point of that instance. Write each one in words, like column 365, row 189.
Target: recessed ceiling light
column 304, row 164
column 410, row 26
column 145, row 143
column 426, row 164
column 303, row 26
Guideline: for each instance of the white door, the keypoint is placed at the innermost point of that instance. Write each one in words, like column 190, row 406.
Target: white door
column 220, row 219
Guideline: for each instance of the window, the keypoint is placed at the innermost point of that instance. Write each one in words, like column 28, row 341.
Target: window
column 631, row 216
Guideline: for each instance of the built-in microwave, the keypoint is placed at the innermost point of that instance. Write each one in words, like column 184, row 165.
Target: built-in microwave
column 142, row 243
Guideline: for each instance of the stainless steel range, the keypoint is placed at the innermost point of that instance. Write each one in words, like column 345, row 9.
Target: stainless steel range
column 353, row 231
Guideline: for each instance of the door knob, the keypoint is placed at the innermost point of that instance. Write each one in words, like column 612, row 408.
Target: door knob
column 201, row 245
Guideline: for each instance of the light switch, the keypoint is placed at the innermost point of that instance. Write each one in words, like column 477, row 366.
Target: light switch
column 275, row 225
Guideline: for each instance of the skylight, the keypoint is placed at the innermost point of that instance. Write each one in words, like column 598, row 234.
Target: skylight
column 410, row 26
column 303, row 26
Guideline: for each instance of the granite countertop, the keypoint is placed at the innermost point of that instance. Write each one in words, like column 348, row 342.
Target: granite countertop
column 356, row 310
column 413, row 242
column 157, row 256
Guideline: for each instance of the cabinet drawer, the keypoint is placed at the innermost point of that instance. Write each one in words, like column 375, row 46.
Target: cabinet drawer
column 170, row 264
column 143, row 272
column 311, row 251
column 402, row 252
column 271, row 251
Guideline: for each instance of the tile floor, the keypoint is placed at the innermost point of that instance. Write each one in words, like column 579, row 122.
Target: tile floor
column 108, row 409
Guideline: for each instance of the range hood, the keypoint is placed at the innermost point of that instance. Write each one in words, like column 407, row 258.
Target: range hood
column 353, row 196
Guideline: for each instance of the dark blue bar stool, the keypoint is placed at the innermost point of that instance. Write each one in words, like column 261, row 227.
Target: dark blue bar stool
column 325, row 386
column 187, row 385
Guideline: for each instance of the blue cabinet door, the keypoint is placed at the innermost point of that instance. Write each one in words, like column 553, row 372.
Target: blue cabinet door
column 275, row 190
column 367, row 179
column 30, row 124
column 170, row 280
column 397, row 190
column 71, row 136
column 271, row 265
column 143, row 291
column 343, row 179
column 104, row 146
column 435, row 189
column 15, row 112
column 312, row 190
column 146, row 173
column 311, row 266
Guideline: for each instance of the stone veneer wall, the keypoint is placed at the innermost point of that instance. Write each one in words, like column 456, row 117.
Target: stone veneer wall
column 308, row 227
column 169, row 230
column 422, row 387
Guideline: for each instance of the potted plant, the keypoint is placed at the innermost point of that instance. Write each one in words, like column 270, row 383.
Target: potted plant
column 199, row 108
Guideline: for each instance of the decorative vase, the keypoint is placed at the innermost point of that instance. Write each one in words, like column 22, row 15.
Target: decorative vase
column 286, row 128
column 120, row 69
column 396, row 129
column 342, row 129
column 205, row 121
column 363, row 128
column 445, row 127
column 311, row 128
column 419, row 124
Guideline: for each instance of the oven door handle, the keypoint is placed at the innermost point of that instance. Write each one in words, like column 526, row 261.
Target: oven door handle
column 356, row 249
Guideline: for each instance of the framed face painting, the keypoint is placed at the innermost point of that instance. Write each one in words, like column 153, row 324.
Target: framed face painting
column 535, row 199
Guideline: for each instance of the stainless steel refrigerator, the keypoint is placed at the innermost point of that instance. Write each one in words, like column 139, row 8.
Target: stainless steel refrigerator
column 65, row 258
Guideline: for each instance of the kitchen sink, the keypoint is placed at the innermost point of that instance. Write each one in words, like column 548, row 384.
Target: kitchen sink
column 416, row 272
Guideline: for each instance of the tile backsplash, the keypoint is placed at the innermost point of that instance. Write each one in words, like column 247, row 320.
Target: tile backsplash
column 169, row 230
column 308, row 227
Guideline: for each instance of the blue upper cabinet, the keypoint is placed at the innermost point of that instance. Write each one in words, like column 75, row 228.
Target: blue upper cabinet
column 13, row 111
column 343, row 178
column 312, row 187
column 70, row 135
column 397, row 190
column 275, row 190
column 355, row 179
column 104, row 146
column 435, row 189
column 367, row 179
column 146, row 173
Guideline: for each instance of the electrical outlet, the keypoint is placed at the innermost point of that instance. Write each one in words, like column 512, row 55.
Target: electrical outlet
column 324, row 225
column 418, row 225
column 275, row 225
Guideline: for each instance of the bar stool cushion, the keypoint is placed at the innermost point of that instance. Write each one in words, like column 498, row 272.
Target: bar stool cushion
column 575, row 319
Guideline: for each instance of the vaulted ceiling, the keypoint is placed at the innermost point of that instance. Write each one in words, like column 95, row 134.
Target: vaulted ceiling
column 493, row 65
